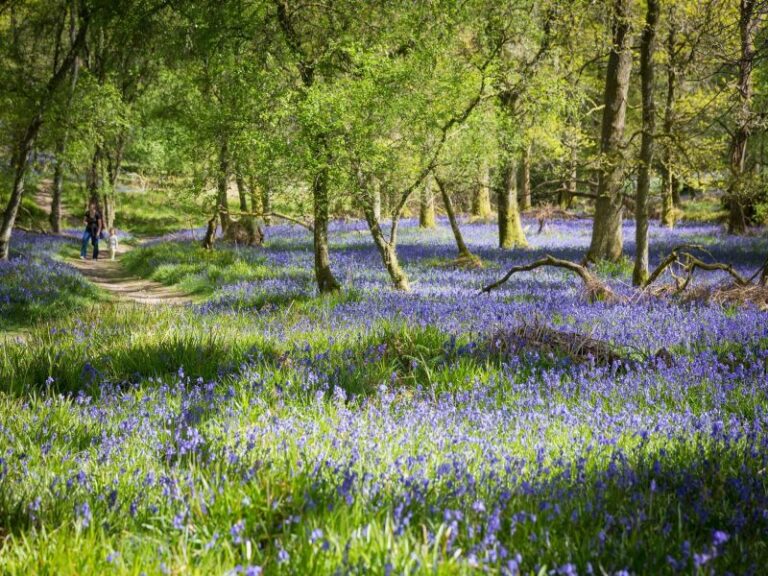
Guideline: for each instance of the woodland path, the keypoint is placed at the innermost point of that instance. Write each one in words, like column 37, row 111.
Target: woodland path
column 109, row 275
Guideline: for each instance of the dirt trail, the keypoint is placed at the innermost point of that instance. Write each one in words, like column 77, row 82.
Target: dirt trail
column 112, row 277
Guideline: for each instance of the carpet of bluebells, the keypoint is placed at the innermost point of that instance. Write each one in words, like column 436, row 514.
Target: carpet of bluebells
column 35, row 283
column 377, row 432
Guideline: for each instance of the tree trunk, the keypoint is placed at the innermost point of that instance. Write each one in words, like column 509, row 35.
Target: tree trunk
column 93, row 177
column 242, row 192
column 607, row 241
column 667, row 173
column 386, row 206
column 647, row 48
column 210, row 232
column 249, row 221
column 387, row 250
column 266, row 205
column 376, row 193
column 114, row 165
column 511, row 233
column 326, row 282
column 737, row 201
column 481, row 199
column 565, row 198
column 524, row 179
column 12, row 209
column 460, row 244
column 222, row 186
column 58, row 187
column 427, row 205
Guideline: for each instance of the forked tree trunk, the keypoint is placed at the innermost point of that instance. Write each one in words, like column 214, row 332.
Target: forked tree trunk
column 387, row 250
column 607, row 240
column 481, row 199
column 427, row 205
column 511, row 234
column 648, row 46
column 737, row 202
column 524, row 179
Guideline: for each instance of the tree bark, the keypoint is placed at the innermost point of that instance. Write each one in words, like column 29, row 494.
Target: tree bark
column 427, row 205
column 737, row 202
column 524, row 179
column 481, row 199
column 222, row 186
column 565, row 197
column 607, row 240
column 511, row 233
column 376, row 193
column 114, row 165
column 93, row 177
column 667, row 174
column 387, row 249
column 647, row 48
column 266, row 205
column 210, row 232
column 464, row 252
column 326, row 282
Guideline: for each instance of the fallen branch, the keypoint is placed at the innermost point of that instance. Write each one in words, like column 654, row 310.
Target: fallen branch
column 689, row 264
column 272, row 214
column 596, row 290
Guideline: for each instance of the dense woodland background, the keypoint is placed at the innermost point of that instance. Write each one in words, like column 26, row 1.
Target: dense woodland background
column 244, row 112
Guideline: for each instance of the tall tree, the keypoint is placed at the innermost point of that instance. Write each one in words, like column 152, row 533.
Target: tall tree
column 607, row 239
column 738, row 195
column 647, row 48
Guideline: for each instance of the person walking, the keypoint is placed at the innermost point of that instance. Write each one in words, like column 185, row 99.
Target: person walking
column 113, row 243
column 94, row 224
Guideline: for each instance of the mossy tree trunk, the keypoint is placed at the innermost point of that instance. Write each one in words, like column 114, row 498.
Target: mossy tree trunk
column 326, row 281
column 511, row 234
column 607, row 240
column 427, row 205
column 737, row 203
column 481, row 199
